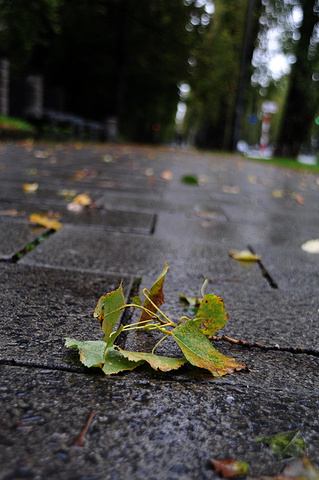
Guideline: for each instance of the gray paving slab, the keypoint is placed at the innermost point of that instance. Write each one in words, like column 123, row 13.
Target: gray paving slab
column 107, row 219
column 296, row 215
column 41, row 307
column 291, row 267
column 165, row 430
column 256, row 314
column 14, row 236
column 115, row 252
column 207, row 224
column 161, row 426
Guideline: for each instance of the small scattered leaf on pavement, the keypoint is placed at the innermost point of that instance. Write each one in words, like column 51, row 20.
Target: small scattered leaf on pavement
column 230, row 468
column 30, row 187
column 45, row 220
column 311, row 246
column 285, row 445
column 244, row 255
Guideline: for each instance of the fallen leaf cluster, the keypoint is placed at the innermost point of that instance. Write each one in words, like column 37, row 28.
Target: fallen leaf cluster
column 189, row 334
column 283, row 446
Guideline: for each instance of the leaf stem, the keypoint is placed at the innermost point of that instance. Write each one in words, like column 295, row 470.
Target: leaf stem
column 146, row 295
column 149, row 312
column 155, row 347
column 202, row 290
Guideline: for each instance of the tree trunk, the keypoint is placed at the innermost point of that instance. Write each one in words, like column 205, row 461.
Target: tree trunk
column 302, row 98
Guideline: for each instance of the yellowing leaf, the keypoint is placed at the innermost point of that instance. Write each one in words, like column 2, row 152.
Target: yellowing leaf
column 107, row 158
column 277, row 193
column 311, row 246
column 230, row 468
column 82, row 199
column 91, row 352
column 200, row 352
column 157, row 362
column 285, row 445
column 156, row 296
column 167, row 175
column 115, row 362
column 244, row 255
column 211, row 315
column 299, row 198
column 30, row 187
column 230, row 189
column 109, row 309
column 45, row 220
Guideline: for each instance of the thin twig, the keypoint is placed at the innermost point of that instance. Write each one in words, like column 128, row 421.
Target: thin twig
column 80, row 439
column 243, row 343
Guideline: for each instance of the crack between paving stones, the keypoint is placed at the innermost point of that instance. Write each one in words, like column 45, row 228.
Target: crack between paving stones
column 128, row 312
column 239, row 387
column 264, row 271
column 29, row 247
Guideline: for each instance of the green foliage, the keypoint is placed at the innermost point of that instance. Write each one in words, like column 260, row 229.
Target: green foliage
column 189, row 334
column 10, row 124
column 109, row 309
column 285, row 445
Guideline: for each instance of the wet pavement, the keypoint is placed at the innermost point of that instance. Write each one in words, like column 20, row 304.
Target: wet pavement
column 150, row 425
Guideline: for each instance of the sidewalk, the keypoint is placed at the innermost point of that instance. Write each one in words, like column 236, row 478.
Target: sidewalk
column 149, row 425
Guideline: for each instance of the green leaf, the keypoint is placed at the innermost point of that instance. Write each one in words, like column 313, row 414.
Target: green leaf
column 91, row 352
column 211, row 314
column 114, row 336
column 156, row 296
column 230, row 468
column 200, row 352
column 109, row 309
column 137, row 301
column 190, row 179
column 285, row 445
column 115, row 362
column 155, row 361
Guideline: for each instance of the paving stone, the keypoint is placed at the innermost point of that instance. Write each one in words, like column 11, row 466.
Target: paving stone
column 257, row 214
column 141, row 428
column 78, row 248
column 210, row 226
column 120, row 220
column 291, row 267
column 149, row 202
column 41, row 307
column 14, row 236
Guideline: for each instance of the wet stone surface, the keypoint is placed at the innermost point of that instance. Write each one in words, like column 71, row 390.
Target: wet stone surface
column 114, row 252
column 147, row 424
column 14, row 236
column 41, row 307
column 141, row 429
column 106, row 219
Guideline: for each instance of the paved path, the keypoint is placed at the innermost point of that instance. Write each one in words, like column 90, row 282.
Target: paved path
column 148, row 425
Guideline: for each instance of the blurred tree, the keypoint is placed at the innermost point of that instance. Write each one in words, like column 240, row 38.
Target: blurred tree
column 218, row 68
column 302, row 99
column 123, row 59
column 26, row 29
